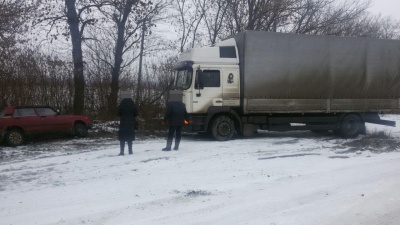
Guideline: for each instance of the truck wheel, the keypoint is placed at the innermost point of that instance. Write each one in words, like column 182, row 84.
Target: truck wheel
column 223, row 128
column 80, row 130
column 351, row 126
column 14, row 137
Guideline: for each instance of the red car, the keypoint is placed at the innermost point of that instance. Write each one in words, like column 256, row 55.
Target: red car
column 18, row 122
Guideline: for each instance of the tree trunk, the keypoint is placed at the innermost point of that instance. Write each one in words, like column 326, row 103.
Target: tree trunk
column 138, row 88
column 116, row 69
column 77, row 56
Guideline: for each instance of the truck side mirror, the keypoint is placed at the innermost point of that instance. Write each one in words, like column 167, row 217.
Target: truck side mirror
column 199, row 81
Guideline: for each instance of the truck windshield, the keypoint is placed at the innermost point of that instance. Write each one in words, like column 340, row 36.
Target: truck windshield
column 183, row 79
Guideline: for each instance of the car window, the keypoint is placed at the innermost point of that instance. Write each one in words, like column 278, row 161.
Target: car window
column 46, row 112
column 2, row 113
column 24, row 112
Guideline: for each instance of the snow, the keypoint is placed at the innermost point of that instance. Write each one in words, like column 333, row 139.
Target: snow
column 272, row 178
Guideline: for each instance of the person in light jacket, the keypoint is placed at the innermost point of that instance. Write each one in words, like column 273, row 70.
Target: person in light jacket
column 127, row 112
column 175, row 115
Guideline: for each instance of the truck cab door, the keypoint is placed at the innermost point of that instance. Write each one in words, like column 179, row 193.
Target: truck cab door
column 207, row 90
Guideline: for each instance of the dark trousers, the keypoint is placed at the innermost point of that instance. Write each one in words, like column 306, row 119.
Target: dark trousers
column 122, row 146
column 177, row 130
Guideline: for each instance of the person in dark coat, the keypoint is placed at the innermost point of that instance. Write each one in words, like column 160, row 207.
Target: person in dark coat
column 175, row 115
column 127, row 112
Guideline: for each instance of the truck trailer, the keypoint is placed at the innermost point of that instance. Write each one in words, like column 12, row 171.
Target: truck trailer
column 257, row 80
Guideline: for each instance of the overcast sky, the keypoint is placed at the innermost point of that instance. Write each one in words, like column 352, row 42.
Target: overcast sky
column 386, row 8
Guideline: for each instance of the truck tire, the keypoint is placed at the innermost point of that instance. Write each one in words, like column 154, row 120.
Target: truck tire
column 14, row 137
column 223, row 128
column 80, row 130
column 351, row 126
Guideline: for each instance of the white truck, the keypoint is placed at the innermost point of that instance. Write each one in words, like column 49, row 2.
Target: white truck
column 281, row 82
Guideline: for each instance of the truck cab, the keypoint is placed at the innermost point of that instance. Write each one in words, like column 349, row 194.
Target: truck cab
column 209, row 80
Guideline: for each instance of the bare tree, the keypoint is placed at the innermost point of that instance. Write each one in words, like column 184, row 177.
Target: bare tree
column 122, row 33
column 75, row 15
column 266, row 15
column 77, row 55
column 35, row 78
column 215, row 12
column 13, row 16
column 325, row 17
column 122, row 11
column 190, row 15
column 390, row 28
column 368, row 25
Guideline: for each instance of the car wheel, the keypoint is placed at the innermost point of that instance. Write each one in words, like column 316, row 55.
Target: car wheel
column 80, row 130
column 15, row 137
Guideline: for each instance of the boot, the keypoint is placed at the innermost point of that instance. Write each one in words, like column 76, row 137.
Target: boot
column 176, row 144
column 168, row 148
column 122, row 147
column 130, row 147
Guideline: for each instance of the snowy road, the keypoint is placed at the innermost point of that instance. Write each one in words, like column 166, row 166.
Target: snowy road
column 273, row 178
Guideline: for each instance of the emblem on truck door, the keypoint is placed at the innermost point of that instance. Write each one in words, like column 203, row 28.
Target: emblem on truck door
column 230, row 78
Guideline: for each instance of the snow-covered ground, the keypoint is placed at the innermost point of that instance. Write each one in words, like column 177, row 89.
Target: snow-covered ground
column 272, row 178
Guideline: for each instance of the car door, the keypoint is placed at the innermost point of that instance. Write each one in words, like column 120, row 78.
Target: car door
column 51, row 121
column 28, row 120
